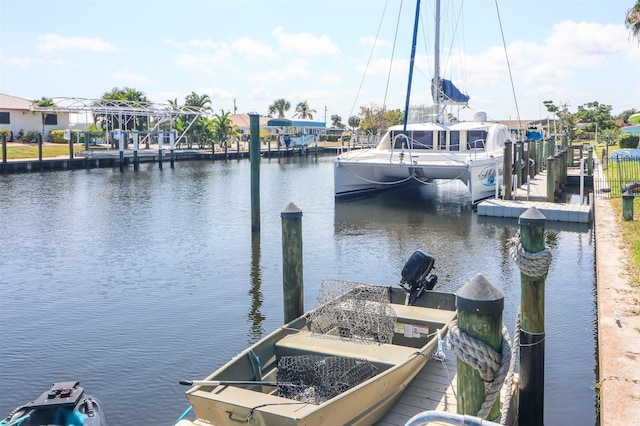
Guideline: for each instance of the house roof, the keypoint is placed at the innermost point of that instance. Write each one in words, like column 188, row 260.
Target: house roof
column 242, row 121
column 14, row 102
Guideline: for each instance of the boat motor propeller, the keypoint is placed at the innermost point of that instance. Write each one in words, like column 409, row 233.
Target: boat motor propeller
column 416, row 275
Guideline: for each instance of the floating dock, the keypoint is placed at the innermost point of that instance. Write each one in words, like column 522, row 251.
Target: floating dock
column 534, row 194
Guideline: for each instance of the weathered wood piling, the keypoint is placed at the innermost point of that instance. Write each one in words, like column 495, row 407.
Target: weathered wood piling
column 254, row 158
column 480, row 305
column 292, row 283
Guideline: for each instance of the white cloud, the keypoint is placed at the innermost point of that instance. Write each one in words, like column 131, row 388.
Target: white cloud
column 304, row 43
column 584, row 43
column 331, row 79
column 204, row 44
column 128, row 77
column 21, row 61
column 207, row 63
column 253, row 50
column 295, row 69
column 53, row 43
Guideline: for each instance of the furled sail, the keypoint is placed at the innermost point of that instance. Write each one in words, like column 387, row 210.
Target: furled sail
column 449, row 94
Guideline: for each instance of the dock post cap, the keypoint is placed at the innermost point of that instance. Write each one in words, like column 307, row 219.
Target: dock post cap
column 532, row 217
column 291, row 212
column 480, row 296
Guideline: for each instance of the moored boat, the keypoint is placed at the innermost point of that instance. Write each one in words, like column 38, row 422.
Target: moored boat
column 65, row 404
column 345, row 362
column 426, row 147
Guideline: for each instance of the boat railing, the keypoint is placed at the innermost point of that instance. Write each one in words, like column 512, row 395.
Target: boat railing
column 428, row 417
column 404, row 138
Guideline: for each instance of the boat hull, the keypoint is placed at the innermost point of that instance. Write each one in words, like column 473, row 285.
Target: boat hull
column 366, row 173
column 397, row 362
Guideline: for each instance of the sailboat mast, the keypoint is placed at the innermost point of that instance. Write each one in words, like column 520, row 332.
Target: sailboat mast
column 436, row 72
column 411, row 62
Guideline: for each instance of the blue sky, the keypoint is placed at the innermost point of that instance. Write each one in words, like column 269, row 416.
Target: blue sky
column 568, row 51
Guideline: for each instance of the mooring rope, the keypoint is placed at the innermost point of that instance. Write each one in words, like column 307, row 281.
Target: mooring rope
column 531, row 264
column 492, row 366
column 380, row 183
column 508, row 381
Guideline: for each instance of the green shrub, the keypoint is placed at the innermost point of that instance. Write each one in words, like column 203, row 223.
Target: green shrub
column 7, row 134
column 629, row 141
column 28, row 136
column 57, row 136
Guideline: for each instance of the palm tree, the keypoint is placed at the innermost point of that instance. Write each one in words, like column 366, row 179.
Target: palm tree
column 200, row 101
column 304, row 112
column 222, row 129
column 133, row 98
column 632, row 20
column 45, row 103
column 280, row 106
column 336, row 121
column 199, row 130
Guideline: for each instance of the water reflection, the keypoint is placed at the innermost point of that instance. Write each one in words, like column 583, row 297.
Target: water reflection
column 155, row 276
column 254, row 316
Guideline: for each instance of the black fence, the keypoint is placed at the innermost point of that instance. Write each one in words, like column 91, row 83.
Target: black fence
column 616, row 176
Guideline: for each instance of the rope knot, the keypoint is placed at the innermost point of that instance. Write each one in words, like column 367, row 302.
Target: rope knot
column 531, row 264
column 491, row 365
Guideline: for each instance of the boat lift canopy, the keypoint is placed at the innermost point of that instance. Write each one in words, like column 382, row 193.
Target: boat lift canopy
column 285, row 122
column 125, row 111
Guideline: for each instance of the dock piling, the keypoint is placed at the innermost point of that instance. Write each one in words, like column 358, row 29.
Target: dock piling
column 480, row 305
column 4, row 153
column 120, row 136
column 40, row 151
column 627, row 205
column 254, row 158
column 551, row 178
column 533, row 261
column 172, row 147
column 507, row 175
column 70, row 165
column 292, row 284
column 160, row 140
column 136, row 160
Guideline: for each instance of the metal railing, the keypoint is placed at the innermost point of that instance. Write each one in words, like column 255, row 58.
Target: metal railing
column 614, row 177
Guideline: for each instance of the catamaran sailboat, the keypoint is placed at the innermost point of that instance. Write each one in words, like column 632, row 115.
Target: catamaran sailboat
column 424, row 148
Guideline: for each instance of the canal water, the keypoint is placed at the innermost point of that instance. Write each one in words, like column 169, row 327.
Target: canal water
column 129, row 282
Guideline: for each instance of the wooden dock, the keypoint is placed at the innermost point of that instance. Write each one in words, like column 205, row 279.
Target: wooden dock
column 432, row 389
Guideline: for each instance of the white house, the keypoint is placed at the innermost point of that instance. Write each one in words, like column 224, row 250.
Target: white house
column 20, row 114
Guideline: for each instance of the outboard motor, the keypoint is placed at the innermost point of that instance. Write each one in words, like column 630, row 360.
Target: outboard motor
column 416, row 276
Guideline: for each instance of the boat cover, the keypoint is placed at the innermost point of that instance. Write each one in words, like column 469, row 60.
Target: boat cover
column 534, row 135
column 450, row 94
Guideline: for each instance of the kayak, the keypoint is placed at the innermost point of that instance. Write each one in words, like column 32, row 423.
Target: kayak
column 634, row 118
column 63, row 405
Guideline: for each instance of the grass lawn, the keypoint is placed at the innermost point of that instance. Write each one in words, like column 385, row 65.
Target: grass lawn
column 631, row 239
column 17, row 151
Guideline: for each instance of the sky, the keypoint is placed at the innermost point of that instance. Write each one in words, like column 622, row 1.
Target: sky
column 337, row 55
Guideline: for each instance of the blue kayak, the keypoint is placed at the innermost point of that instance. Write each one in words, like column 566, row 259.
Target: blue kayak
column 63, row 405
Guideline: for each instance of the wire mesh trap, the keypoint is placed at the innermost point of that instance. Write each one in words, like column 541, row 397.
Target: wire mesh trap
column 353, row 311
column 315, row 379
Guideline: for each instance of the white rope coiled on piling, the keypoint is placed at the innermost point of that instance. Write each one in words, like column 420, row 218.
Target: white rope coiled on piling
column 492, row 366
column 531, row 264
